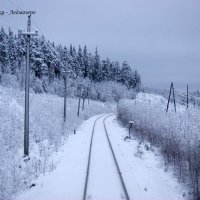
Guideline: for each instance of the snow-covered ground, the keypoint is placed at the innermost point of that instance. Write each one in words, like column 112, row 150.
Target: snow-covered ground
column 141, row 169
column 175, row 133
column 157, row 100
column 47, row 134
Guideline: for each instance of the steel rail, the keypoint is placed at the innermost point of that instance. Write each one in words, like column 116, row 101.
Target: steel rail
column 89, row 159
column 114, row 157
column 116, row 163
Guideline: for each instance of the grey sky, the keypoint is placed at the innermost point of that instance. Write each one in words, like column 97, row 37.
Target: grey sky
column 160, row 38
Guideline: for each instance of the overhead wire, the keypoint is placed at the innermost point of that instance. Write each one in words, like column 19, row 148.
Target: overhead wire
column 21, row 9
column 52, row 50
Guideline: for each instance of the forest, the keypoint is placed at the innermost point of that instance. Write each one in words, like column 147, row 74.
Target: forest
column 51, row 64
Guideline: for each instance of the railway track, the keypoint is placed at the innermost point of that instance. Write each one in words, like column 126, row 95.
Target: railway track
column 115, row 164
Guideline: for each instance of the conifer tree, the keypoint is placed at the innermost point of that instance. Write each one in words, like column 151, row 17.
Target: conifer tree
column 85, row 62
column 50, row 61
column 96, row 72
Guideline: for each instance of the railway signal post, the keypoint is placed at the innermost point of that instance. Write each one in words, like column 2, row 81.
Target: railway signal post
column 130, row 126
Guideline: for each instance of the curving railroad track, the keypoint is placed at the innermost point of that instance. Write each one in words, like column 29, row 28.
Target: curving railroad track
column 111, row 165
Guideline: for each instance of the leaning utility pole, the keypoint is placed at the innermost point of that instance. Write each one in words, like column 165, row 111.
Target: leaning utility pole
column 171, row 91
column 174, row 99
column 28, row 35
column 169, row 97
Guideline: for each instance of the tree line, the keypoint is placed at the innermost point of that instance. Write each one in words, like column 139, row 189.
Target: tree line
column 49, row 63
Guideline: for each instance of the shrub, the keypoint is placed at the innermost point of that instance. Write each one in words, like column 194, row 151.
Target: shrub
column 176, row 134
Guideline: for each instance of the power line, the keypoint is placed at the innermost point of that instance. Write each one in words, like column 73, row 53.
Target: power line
column 20, row 8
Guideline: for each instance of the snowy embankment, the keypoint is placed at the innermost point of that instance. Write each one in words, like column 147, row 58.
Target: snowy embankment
column 141, row 169
column 47, row 134
column 176, row 134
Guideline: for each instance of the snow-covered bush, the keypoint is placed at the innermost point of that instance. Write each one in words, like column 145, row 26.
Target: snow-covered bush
column 109, row 91
column 55, row 87
column 106, row 91
column 47, row 133
column 176, row 134
column 9, row 80
column 37, row 86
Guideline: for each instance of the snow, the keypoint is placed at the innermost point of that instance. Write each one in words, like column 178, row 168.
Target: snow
column 67, row 180
column 175, row 133
column 151, row 98
column 141, row 169
column 159, row 101
column 104, row 182
column 47, row 134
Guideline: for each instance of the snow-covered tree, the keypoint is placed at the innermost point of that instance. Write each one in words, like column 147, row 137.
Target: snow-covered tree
column 49, row 63
column 85, row 62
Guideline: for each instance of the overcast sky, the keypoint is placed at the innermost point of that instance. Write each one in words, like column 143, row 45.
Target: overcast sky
column 159, row 38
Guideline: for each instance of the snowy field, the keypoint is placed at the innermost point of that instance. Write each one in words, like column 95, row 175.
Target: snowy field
column 176, row 134
column 48, row 133
column 141, row 169
column 57, row 167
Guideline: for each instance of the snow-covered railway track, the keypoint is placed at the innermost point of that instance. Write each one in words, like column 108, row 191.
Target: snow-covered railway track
column 103, row 175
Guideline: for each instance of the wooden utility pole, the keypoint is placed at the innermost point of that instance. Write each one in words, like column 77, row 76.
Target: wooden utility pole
column 88, row 94
column 169, row 97
column 187, row 96
column 83, row 105
column 65, row 95
column 79, row 101
column 67, row 72
column 174, row 98
column 28, row 35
